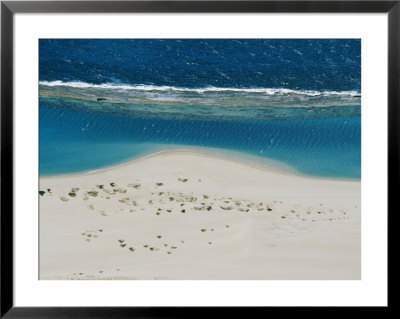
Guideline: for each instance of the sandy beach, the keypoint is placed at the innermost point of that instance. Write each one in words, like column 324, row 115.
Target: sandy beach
column 187, row 215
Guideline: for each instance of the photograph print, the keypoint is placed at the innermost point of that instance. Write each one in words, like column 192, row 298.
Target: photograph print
column 199, row 159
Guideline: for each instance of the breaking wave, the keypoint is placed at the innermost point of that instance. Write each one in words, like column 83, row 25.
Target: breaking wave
column 211, row 89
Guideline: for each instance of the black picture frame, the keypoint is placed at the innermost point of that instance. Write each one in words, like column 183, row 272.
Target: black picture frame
column 9, row 8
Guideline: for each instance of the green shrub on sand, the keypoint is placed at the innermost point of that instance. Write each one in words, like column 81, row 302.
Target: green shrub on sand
column 134, row 185
column 93, row 193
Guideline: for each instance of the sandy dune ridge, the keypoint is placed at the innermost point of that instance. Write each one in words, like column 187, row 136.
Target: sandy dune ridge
column 187, row 215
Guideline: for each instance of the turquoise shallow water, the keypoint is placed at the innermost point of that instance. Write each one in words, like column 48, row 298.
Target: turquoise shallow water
column 74, row 141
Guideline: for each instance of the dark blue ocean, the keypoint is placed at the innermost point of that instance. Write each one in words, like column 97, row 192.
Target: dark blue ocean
column 103, row 102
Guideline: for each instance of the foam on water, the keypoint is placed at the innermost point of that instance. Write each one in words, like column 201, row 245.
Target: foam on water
column 143, row 87
column 199, row 103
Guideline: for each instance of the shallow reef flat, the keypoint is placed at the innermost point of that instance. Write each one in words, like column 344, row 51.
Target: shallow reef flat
column 186, row 215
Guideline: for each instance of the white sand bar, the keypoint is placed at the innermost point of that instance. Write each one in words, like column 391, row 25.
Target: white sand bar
column 183, row 215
